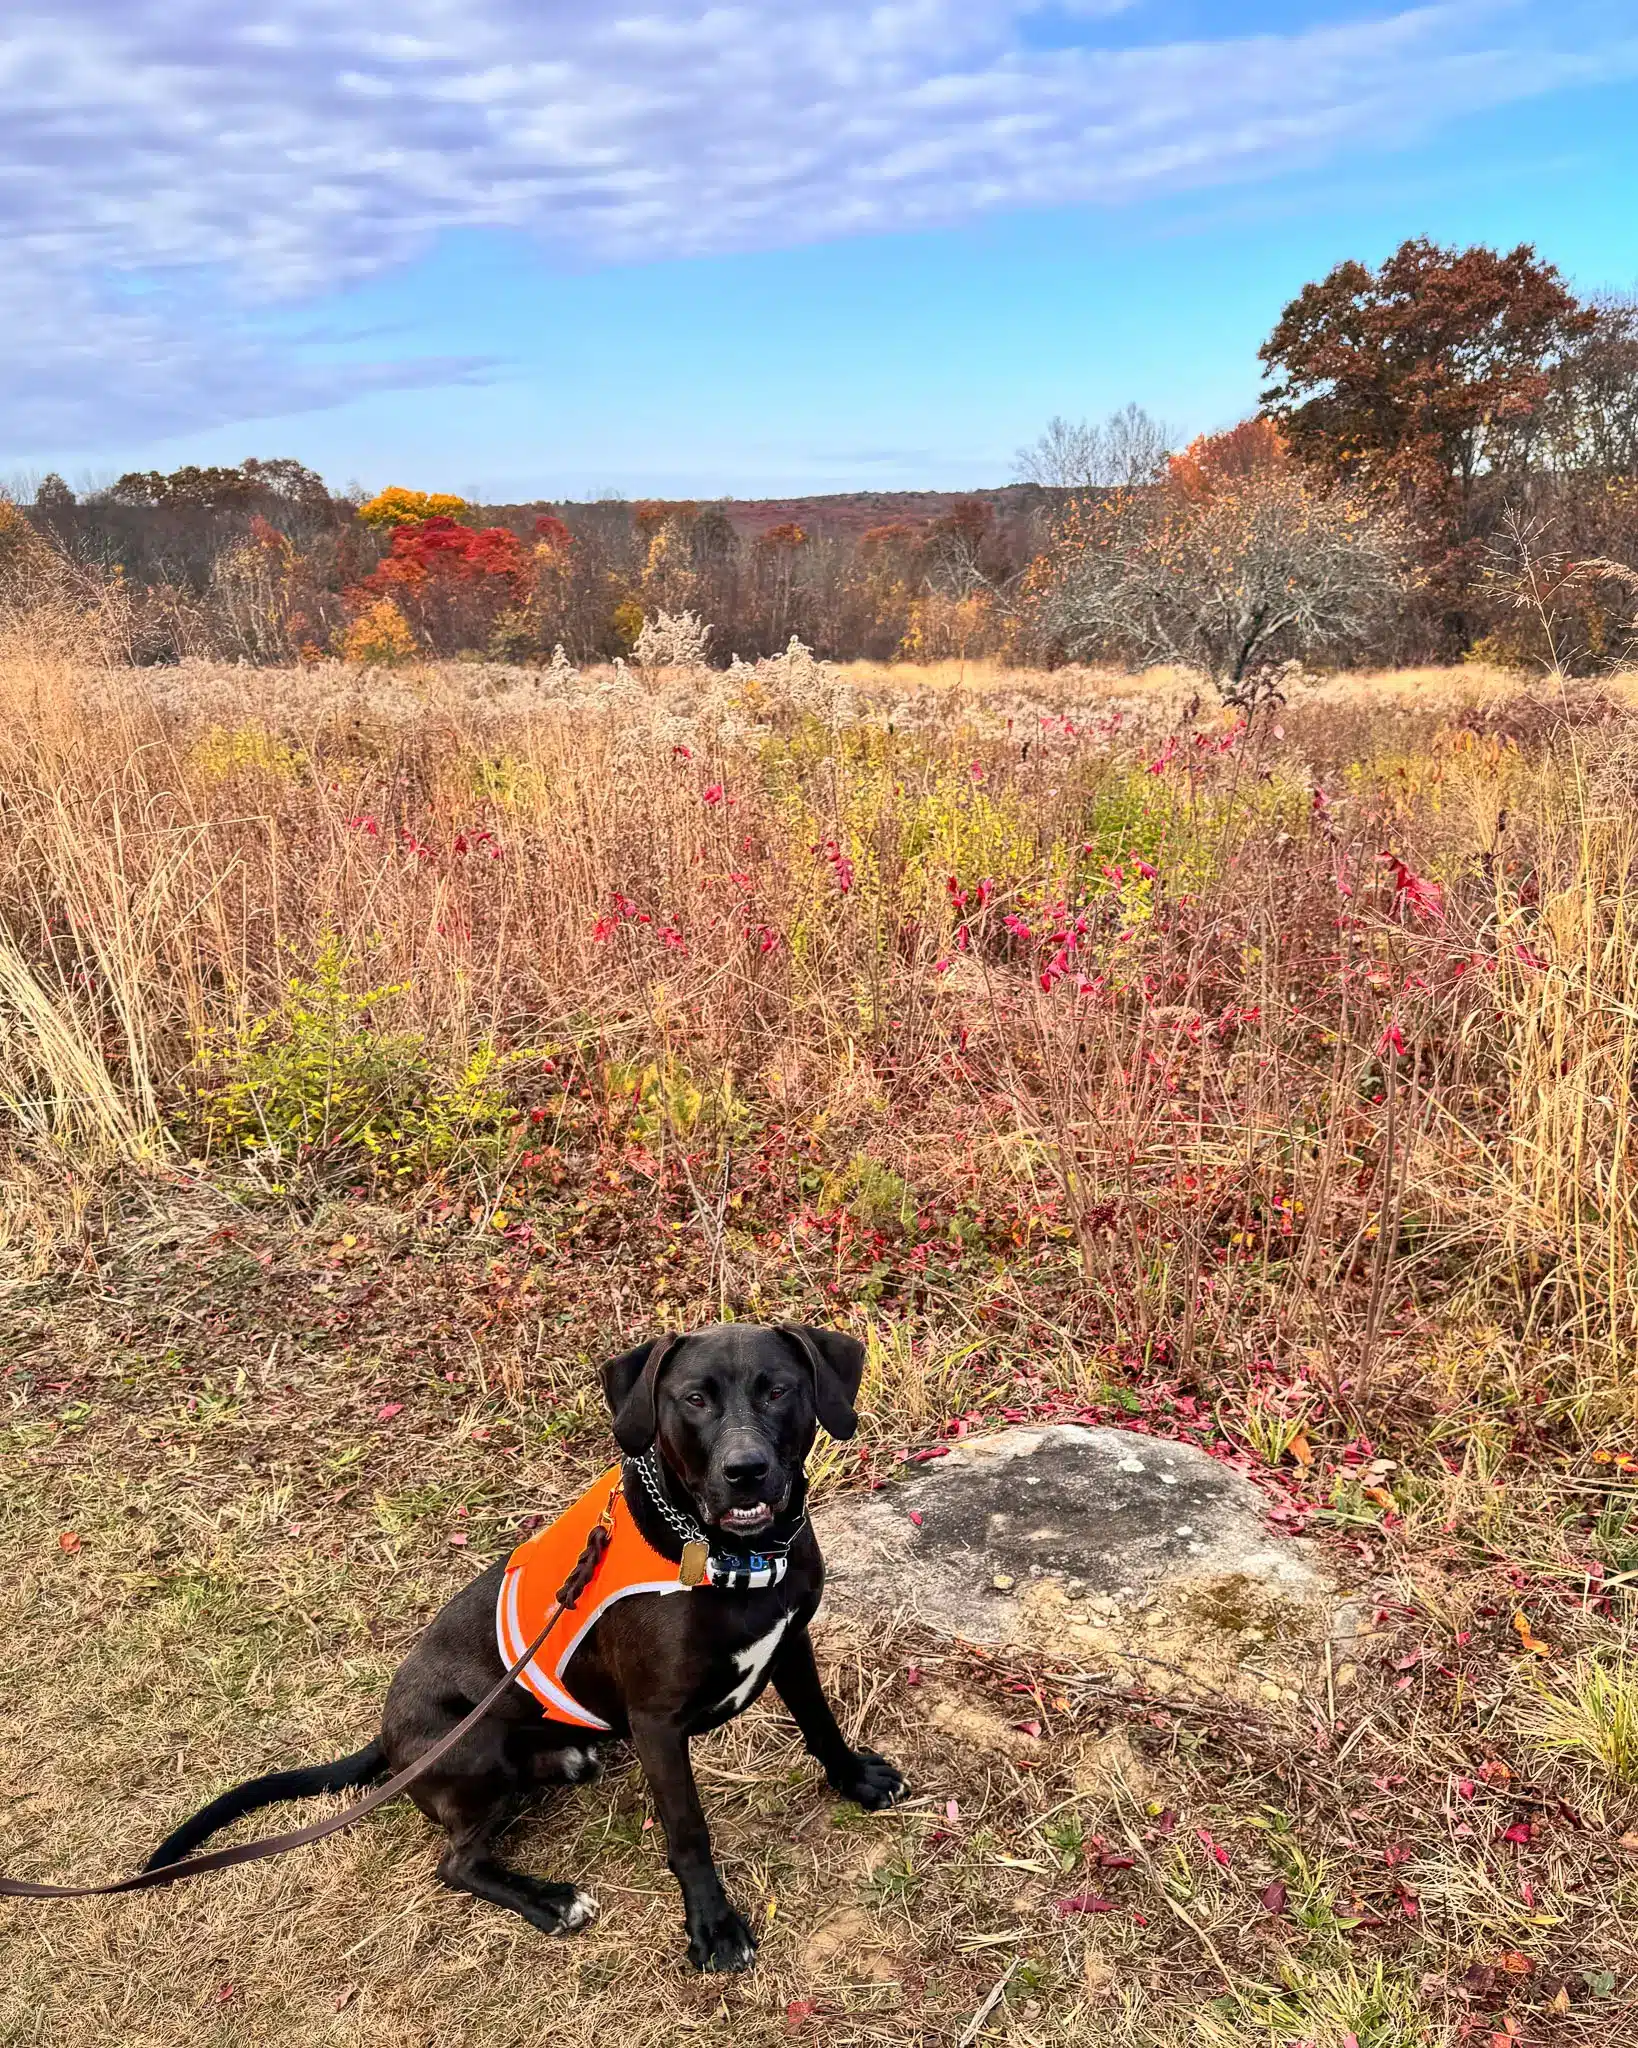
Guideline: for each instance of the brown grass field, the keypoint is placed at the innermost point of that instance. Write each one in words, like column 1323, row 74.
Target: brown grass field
column 378, row 1052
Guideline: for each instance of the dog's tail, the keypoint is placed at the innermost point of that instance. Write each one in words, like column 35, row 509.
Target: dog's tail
column 361, row 1768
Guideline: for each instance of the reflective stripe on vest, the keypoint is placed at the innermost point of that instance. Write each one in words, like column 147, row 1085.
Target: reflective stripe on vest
column 538, row 1567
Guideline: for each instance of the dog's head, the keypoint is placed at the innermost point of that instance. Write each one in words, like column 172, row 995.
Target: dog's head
column 733, row 1411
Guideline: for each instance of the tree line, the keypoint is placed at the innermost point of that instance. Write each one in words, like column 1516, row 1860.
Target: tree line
column 1444, row 463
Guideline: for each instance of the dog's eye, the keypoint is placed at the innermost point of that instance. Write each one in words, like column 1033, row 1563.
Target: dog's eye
column 776, row 1393
column 697, row 1401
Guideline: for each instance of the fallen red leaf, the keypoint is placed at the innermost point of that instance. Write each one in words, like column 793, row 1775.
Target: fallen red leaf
column 1084, row 1902
column 389, row 1410
column 1275, row 1896
column 1213, row 1849
column 799, row 2011
column 1027, row 1727
column 69, row 1541
column 1515, row 1964
column 1109, row 1861
column 1519, row 1832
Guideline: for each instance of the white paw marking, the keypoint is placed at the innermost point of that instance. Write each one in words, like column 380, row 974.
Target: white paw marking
column 581, row 1909
column 753, row 1661
column 576, row 1764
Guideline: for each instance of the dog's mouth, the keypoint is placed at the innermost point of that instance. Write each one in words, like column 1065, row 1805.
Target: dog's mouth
column 746, row 1521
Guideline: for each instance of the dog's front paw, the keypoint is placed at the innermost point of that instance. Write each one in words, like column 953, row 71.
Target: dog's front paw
column 718, row 1939
column 869, row 1781
column 555, row 1908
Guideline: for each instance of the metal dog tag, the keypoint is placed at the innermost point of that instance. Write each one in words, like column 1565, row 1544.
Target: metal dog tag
column 695, row 1557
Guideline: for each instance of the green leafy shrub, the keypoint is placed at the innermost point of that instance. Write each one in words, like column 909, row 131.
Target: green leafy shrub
column 873, row 1194
column 318, row 1088
column 661, row 1098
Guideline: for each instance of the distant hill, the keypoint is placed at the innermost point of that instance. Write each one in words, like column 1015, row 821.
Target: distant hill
column 833, row 515
column 847, row 514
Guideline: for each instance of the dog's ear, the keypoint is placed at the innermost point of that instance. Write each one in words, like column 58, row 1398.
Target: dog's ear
column 629, row 1383
column 836, row 1361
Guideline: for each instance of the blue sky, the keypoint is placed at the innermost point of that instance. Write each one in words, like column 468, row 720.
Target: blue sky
column 528, row 247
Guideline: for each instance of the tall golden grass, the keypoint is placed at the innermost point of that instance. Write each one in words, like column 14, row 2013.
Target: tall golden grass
column 1282, row 1108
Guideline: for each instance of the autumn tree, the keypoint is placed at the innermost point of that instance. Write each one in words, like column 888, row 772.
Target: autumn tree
column 249, row 485
column 1418, row 379
column 775, row 555
column 959, row 551
column 453, row 583
column 1235, row 565
column 1591, row 416
column 395, row 507
column 1254, row 448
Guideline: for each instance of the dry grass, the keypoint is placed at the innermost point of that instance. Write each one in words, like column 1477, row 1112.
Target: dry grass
column 1273, row 1158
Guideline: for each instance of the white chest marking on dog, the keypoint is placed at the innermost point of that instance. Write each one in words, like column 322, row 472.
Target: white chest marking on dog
column 753, row 1661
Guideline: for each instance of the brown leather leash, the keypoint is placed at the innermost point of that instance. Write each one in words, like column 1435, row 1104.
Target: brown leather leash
column 298, row 1838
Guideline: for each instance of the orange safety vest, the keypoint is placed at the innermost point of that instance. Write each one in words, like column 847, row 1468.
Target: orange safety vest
column 538, row 1567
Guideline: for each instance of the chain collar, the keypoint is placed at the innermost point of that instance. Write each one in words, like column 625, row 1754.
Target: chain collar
column 759, row 1569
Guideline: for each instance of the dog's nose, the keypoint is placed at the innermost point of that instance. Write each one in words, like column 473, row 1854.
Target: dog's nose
column 745, row 1468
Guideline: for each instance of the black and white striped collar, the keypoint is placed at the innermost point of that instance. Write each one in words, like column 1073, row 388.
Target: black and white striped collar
column 726, row 1570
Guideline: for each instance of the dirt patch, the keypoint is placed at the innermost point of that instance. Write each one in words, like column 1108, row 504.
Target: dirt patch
column 847, row 1946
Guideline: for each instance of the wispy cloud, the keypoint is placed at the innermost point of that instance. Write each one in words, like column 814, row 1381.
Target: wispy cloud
column 171, row 168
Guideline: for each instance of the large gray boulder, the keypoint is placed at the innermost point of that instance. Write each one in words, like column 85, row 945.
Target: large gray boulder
column 1100, row 1546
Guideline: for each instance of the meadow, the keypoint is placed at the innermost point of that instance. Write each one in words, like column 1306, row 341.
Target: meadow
column 381, row 1049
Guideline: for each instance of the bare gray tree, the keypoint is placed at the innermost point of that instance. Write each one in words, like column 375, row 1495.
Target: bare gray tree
column 1067, row 457
column 1130, row 447
column 1234, row 583
column 1135, row 447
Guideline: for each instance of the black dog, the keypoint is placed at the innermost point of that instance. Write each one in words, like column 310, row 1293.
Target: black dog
column 726, row 1419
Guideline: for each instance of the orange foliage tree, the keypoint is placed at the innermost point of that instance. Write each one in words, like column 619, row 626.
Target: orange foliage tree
column 451, row 582
column 1254, row 448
